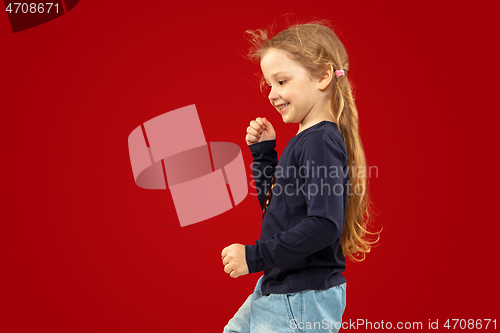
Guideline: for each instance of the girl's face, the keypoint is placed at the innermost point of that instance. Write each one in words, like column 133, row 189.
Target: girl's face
column 293, row 92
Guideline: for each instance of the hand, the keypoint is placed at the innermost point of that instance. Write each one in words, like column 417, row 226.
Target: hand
column 234, row 260
column 260, row 130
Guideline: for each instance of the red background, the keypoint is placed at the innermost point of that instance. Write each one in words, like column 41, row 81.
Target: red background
column 86, row 250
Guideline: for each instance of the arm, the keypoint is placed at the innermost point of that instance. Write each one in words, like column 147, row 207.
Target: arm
column 261, row 138
column 325, row 209
column 265, row 159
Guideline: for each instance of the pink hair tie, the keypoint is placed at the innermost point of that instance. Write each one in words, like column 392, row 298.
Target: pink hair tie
column 339, row 73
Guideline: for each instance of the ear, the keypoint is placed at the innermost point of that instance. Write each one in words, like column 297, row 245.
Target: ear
column 325, row 78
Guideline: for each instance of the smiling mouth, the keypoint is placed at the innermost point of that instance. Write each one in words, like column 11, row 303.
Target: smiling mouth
column 282, row 107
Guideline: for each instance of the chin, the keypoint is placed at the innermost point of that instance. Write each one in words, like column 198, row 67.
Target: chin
column 287, row 119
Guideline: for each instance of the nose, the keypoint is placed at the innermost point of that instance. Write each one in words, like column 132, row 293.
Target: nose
column 273, row 96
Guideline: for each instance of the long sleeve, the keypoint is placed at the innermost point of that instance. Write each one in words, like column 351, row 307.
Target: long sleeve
column 321, row 191
column 265, row 159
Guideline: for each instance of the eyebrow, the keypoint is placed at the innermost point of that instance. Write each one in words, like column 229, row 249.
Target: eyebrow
column 276, row 74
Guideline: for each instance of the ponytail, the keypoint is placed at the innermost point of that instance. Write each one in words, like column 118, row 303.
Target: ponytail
column 358, row 213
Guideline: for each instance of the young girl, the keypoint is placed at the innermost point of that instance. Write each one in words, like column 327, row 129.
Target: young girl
column 314, row 200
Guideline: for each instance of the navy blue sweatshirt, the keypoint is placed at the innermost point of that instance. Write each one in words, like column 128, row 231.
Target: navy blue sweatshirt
column 299, row 246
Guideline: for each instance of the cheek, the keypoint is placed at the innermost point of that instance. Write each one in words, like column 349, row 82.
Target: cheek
column 290, row 95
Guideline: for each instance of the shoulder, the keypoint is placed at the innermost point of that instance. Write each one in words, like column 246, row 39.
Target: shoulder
column 323, row 139
column 326, row 134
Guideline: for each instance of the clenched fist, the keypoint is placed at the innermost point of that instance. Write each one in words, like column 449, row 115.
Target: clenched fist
column 234, row 260
column 260, row 130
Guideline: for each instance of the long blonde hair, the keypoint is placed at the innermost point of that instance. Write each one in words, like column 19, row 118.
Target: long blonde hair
column 317, row 48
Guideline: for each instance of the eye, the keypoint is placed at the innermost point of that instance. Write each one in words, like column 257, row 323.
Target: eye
column 281, row 83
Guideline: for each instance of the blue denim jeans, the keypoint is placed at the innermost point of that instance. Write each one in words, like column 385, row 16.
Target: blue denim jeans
column 304, row 311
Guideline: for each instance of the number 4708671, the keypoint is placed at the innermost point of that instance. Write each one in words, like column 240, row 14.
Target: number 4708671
column 31, row 7
column 470, row 324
